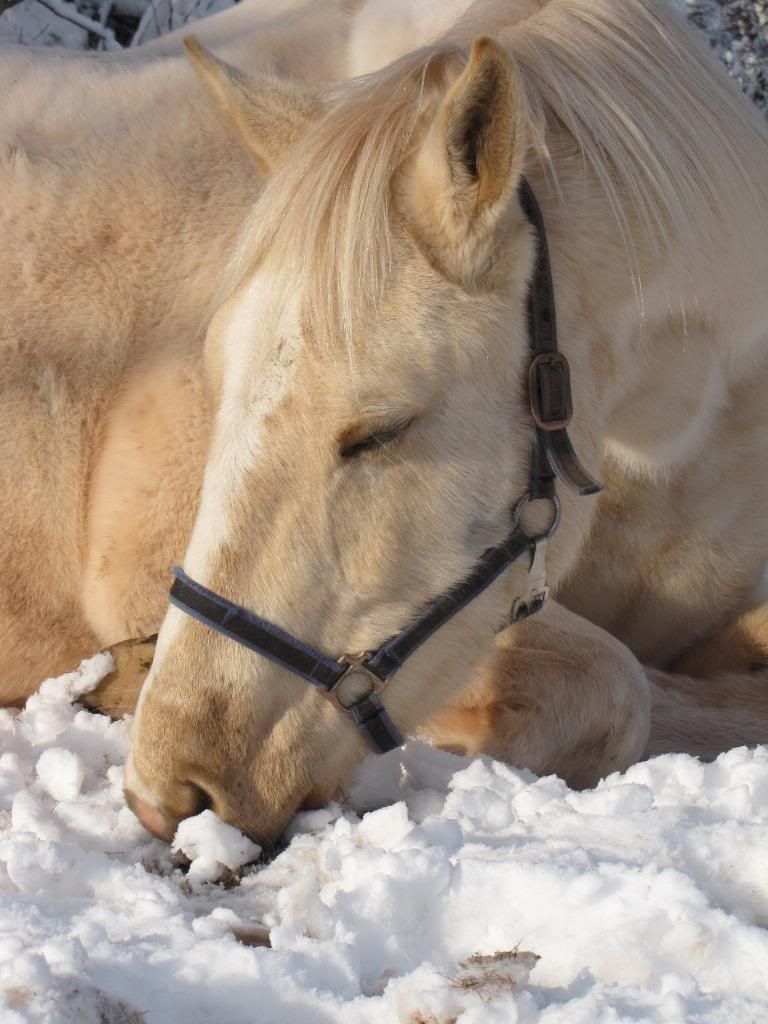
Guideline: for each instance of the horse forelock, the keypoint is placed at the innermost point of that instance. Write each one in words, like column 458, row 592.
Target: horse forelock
column 625, row 83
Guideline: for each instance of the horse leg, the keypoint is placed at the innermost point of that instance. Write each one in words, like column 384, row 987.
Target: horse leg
column 717, row 696
column 741, row 646
column 561, row 695
column 707, row 716
column 558, row 695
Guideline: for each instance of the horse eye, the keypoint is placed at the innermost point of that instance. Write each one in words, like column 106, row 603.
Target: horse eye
column 374, row 442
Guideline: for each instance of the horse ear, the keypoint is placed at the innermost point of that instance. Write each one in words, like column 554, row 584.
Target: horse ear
column 470, row 161
column 268, row 113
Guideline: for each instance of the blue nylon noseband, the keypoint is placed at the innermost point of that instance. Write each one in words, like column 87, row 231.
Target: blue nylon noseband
column 353, row 683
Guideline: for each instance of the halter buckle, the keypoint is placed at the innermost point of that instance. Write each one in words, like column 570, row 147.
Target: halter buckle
column 357, row 684
column 549, row 391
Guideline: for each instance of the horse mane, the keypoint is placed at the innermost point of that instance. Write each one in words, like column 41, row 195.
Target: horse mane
column 662, row 130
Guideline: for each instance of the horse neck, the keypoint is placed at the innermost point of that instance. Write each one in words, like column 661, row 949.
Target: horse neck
column 657, row 339
column 663, row 350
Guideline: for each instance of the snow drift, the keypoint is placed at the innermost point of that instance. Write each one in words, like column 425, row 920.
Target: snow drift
column 473, row 893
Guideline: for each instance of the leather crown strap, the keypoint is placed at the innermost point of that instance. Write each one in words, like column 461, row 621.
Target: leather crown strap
column 353, row 683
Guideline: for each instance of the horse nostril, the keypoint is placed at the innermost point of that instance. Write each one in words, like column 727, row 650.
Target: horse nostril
column 204, row 800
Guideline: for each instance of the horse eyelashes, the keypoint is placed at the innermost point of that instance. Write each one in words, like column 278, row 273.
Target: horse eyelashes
column 373, row 442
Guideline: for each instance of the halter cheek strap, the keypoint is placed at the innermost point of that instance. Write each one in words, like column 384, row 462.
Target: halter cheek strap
column 549, row 376
column 353, row 683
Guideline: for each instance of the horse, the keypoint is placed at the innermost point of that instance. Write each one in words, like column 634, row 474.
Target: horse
column 352, row 433
column 367, row 355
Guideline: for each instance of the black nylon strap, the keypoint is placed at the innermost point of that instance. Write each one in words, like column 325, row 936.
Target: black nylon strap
column 565, row 462
column 541, row 479
column 542, row 333
column 391, row 655
column 542, row 313
column 257, row 634
column 319, row 669
column 377, row 727
column 553, row 455
column 285, row 650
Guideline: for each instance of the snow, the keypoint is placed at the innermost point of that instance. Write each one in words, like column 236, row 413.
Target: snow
column 212, row 845
column 440, row 890
column 738, row 32
column 34, row 25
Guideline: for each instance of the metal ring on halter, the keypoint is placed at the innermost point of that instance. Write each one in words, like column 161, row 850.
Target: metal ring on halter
column 356, row 667
column 526, row 500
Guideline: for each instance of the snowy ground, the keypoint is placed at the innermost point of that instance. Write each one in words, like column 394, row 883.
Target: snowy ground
column 645, row 900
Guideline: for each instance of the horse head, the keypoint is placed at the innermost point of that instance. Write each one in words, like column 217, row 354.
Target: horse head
column 373, row 436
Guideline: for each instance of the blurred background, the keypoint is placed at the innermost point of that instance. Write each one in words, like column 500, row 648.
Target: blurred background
column 737, row 29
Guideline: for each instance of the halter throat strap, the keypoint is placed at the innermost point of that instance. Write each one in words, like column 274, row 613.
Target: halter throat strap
column 354, row 683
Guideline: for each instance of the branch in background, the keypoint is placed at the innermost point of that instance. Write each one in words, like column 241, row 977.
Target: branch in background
column 149, row 15
column 105, row 9
column 70, row 13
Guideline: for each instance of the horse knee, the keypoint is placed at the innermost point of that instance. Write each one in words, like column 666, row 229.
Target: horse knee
column 557, row 696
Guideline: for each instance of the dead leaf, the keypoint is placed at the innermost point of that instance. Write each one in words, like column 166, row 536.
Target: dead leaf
column 252, row 934
column 118, row 693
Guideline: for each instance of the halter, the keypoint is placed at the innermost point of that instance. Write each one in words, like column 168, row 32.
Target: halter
column 353, row 682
